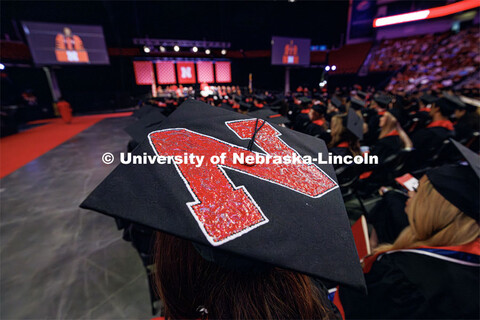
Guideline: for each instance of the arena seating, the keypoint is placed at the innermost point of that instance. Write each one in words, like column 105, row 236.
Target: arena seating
column 432, row 61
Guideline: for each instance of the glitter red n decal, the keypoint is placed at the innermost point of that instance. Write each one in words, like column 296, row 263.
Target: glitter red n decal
column 225, row 211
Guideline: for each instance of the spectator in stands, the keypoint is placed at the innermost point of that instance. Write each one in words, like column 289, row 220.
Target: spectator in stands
column 433, row 61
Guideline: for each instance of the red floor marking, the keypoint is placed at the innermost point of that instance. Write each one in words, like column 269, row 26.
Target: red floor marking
column 19, row 149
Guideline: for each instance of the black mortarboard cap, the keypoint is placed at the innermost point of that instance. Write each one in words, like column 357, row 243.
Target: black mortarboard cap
column 227, row 106
column 471, row 104
column 320, row 108
column 269, row 115
column 245, row 105
column 458, row 183
column 260, row 97
column 305, row 100
column 279, row 98
column 355, row 124
column 401, row 102
column 140, row 129
column 397, row 113
column 336, row 102
column 454, row 100
column 362, row 94
column 144, row 110
column 428, row 99
column 382, row 99
column 357, row 104
column 291, row 216
column 446, row 106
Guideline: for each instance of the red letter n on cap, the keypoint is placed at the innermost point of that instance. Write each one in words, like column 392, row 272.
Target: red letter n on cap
column 222, row 210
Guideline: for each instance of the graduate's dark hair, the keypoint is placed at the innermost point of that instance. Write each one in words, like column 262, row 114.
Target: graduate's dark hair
column 186, row 283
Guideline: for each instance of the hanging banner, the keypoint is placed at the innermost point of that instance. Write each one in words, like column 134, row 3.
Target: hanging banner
column 205, row 71
column 223, row 72
column 165, row 72
column 143, row 72
column 186, row 72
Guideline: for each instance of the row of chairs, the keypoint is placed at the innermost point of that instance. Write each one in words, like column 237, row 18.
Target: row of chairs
column 384, row 174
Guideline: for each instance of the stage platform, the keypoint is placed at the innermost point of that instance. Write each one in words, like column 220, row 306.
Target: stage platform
column 57, row 260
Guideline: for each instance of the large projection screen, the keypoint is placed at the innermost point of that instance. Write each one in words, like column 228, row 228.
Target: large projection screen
column 290, row 51
column 65, row 44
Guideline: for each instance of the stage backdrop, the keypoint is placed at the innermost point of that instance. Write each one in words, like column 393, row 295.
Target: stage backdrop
column 65, row 44
column 185, row 72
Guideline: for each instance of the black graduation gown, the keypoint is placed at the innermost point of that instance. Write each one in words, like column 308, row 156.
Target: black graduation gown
column 407, row 285
column 301, row 122
column 388, row 216
column 372, row 118
column 427, row 142
column 383, row 149
column 464, row 131
column 340, row 151
column 318, row 131
column 386, row 147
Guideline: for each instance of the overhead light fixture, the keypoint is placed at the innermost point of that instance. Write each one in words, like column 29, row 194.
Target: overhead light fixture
column 224, row 52
column 334, row 67
column 2, row 66
column 195, row 49
column 291, row 0
column 327, row 68
column 146, row 49
column 207, row 51
column 162, row 49
column 176, row 48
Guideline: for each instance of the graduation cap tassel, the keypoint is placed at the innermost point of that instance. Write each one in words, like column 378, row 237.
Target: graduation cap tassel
column 252, row 140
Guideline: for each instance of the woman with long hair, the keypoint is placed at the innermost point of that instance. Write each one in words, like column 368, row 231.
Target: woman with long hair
column 432, row 269
column 344, row 141
column 392, row 137
column 391, row 141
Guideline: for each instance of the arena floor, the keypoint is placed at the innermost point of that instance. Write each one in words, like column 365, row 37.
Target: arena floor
column 57, row 260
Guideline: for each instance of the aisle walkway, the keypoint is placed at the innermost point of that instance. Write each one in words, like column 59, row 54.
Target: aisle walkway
column 19, row 149
column 56, row 260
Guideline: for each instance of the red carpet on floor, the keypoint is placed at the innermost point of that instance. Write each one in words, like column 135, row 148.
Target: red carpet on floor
column 19, row 149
